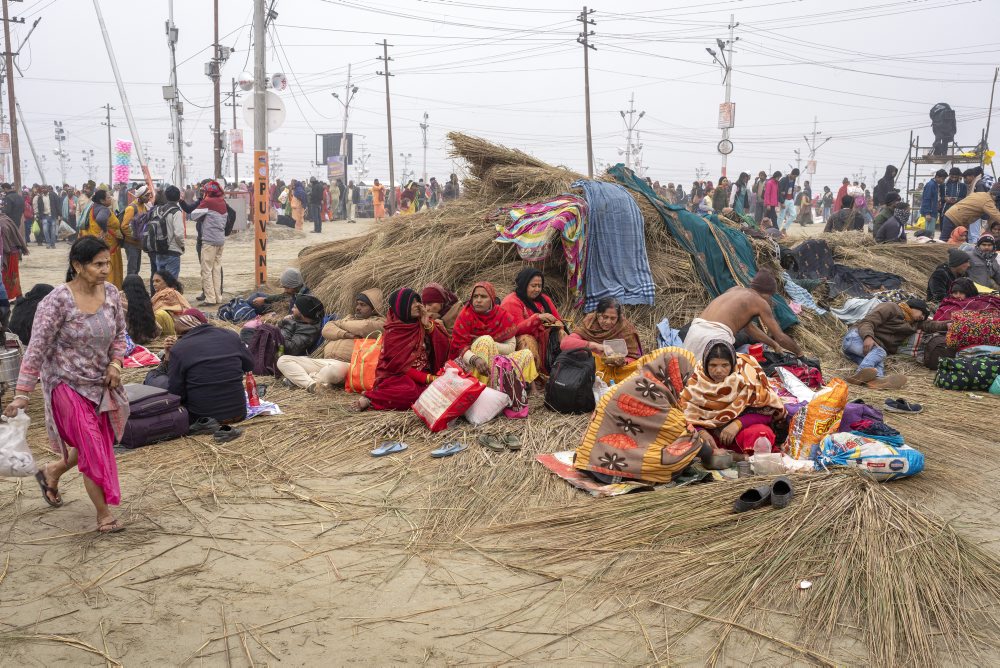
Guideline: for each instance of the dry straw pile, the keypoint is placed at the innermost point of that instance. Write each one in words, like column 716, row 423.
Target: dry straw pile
column 454, row 245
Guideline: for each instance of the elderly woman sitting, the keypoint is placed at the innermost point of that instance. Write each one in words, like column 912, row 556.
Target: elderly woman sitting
column 728, row 401
column 414, row 348
column 485, row 331
column 441, row 303
column 539, row 326
column 607, row 324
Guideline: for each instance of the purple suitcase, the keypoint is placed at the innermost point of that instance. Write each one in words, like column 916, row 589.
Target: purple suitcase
column 155, row 415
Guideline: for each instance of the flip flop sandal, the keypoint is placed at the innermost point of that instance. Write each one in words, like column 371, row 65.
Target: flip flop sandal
column 389, row 448
column 114, row 526
column 227, row 433
column 491, row 442
column 901, row 405
column 448, row 449
column 512, row 442
column 40, row 477
column 863, row 376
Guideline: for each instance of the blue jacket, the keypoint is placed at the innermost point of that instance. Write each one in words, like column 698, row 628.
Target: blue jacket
column 929, row 202
column 956, row 189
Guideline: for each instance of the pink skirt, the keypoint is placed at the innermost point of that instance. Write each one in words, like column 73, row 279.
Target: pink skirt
column 81, row 427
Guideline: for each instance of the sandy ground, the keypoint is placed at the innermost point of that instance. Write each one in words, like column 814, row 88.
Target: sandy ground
column 291, row 546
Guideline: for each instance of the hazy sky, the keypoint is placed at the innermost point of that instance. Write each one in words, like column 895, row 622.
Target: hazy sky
column 868, row 69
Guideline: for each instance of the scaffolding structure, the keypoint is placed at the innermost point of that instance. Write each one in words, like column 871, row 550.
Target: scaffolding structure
column 922, row 164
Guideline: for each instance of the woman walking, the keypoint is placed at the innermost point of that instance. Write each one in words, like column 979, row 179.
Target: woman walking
column 76, row 350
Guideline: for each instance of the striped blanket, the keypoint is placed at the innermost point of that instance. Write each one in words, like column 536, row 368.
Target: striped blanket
column 617, row 265
column 533, row 227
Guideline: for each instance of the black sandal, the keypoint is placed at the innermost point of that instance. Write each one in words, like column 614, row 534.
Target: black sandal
column 46, row 490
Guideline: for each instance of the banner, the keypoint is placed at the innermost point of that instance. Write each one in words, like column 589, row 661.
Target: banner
column 261, row 214
column 4, row 143
column 334, row 168
column 727, row 115
column 236, row 140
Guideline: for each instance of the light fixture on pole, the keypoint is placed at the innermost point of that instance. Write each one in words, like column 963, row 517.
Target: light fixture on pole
column 727, row 111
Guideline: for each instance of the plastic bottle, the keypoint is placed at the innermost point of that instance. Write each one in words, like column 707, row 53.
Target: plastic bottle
column 252, row 397
column 762, row 446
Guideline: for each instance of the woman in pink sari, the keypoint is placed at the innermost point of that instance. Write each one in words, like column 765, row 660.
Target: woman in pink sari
column 76, row 350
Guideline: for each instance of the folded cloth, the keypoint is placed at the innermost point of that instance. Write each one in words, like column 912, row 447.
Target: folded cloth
column 667, row 336
column 616, row 265
column 140, row 357
column 854, row 310
column 702, row 332
column 800, row 294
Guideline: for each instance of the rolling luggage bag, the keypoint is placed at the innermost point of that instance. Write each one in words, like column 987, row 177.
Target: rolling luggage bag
column 154, row 415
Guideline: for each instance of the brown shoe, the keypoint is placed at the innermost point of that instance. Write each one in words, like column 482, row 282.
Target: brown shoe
column 863, row 376
column 894, row 382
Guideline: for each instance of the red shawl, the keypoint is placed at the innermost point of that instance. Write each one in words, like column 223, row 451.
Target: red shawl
column 497, row 323
column 405, row 343
column 949, row 306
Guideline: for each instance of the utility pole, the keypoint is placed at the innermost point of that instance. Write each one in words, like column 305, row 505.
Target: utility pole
column 261, row 196
column 111, row 163
column 423, row 129
column 726, row 63
column 11, row 100
column 798, row 160
column 584, row 39
column 630, row 124
column 388, row 119
column 236, row 159
column 216, row 74
column 174, row 98
column 349, row 93
column 813, row 146
column 406, row 168
column 60, row 153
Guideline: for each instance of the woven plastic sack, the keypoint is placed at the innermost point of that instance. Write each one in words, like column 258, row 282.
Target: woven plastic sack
column 449, row 396
column 16, row 460
column 878, row 459
column 817, row 419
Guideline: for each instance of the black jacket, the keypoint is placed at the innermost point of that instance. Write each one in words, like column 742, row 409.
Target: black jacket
column 316, row 193
column 891, row 231
column 206, row 371
column 300, row 337
column 939, row 285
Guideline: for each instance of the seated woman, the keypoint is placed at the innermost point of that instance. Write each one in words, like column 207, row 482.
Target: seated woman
column 168, row 301
column 442, row 304
column 484, row 331
column 638, row 431
column 605, row 324
column 25, row 306
column 140, row 324
column 414, row 348
column 729, row 402
column 535, row 315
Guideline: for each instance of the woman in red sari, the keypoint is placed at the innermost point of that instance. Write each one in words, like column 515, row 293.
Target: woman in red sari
column 535, row 314
column 441, row 303
column 414, row 348
column 484, row 331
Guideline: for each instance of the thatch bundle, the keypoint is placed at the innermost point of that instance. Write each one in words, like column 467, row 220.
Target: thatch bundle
column 454, row 245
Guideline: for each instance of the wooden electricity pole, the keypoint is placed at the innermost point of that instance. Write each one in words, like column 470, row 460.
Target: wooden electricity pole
column 388, row 119
column 584, row 38
column 9, row 58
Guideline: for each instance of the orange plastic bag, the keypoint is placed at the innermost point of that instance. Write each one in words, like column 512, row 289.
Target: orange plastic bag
column 817, row 419
column 364, row 359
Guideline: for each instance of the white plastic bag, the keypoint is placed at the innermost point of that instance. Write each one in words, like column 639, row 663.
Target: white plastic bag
column 600, row 389
column 15, row 455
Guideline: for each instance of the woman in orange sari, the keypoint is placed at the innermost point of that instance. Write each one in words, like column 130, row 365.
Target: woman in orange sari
column 378, row 200
column 101, row 222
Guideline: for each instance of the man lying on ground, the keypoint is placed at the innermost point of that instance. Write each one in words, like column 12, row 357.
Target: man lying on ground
column 735, row 309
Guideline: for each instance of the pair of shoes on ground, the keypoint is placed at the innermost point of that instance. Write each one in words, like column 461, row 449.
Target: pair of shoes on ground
column 901, row 405
column 221, row 433
column 392, row 447
column 496, row 444
column 778, row 494
column 869, row 377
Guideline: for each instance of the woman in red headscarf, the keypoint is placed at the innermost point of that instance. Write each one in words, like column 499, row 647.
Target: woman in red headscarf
column 414, row 348
column 536, row 316
column 484, row 331
column 441, row 303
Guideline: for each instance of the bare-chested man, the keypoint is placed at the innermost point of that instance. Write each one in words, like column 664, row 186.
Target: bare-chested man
column 734, row 310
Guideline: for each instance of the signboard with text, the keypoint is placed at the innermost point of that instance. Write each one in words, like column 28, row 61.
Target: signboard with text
column 236, row 140
column 727, row 115
column 261, row 213
column 334, row 168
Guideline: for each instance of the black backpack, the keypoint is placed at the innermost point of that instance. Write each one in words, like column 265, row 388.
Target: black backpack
column 154, row 230
column 571, row 383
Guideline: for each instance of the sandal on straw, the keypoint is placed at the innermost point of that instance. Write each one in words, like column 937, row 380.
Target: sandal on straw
column 46, row 490
column 490, row 442
column 512, row 442
column 901, row 405
column 114, row 526
column 893, row 382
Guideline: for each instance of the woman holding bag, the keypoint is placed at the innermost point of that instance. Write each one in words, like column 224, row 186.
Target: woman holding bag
column 76, row 350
